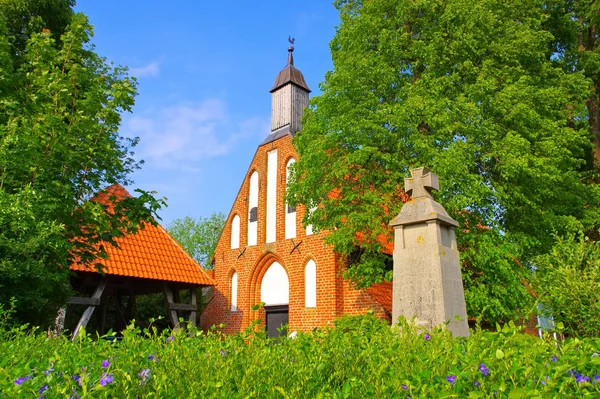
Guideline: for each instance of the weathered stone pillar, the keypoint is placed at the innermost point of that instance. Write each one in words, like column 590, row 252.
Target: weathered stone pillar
column 427, row 279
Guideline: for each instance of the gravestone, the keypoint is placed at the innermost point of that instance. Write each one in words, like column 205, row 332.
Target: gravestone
column 427, row 278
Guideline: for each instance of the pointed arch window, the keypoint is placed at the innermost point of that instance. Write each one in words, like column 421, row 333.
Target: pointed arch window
column 275, row 286
column 235, row 232
column 234, row 291
column 310, row 284
column 253, row 210
column 290, row 214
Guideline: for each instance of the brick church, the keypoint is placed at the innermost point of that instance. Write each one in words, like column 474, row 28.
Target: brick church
column 266, row 255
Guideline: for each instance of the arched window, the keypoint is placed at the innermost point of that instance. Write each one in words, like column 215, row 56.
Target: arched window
column 235, row 232
column 309, row 228
column 271, row 211
column 310, row 284
column 234, row 291
column 253, row 210
column 275, row 286
column 290, row 211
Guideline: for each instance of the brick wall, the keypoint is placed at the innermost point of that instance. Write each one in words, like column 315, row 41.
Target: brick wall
column 334, row 295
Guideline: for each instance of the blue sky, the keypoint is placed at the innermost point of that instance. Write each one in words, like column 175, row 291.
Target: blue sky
column 204, row 70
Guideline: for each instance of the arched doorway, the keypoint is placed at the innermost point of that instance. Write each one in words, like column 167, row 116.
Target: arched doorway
column 275, row 293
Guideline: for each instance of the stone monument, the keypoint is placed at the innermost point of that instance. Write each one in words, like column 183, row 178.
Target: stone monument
column 427, row 278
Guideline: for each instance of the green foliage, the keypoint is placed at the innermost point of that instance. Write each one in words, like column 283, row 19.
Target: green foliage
column 198, row 236
column 24, row 18
column 60, row 106
column 361, row 358
column 469, row 89
column 567, row 282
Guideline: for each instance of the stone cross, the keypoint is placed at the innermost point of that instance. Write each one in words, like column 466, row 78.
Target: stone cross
column 427, row 279
column 421, row 183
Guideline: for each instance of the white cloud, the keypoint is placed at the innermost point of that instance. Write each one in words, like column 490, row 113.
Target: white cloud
column 149, row 71
column 181, row 136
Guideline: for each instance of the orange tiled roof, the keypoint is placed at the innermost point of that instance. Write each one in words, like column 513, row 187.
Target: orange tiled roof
column 382, row 293
column 150, row 253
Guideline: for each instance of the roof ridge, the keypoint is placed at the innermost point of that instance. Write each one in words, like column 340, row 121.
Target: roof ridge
column 202, row 269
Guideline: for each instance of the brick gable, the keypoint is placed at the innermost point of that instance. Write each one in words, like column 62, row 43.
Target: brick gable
column 335, row 296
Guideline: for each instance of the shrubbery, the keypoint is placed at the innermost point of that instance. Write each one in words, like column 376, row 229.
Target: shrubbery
column 360, row 358
column 568, row 284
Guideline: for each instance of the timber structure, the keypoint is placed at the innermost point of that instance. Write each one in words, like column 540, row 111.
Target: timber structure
column 148, row 262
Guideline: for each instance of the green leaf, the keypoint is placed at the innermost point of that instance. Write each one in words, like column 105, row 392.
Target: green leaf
column 499, row 354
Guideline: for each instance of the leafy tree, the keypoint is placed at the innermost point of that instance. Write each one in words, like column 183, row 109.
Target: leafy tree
column 574, row 25
column 60, row 106
column 198, row 236
column 23, row 18
column 469, row 89
column 567, row 282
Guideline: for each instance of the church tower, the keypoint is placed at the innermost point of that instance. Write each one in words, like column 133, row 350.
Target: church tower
column 289, row 98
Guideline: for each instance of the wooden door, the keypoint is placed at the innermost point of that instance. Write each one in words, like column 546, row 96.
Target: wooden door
column 277, row 317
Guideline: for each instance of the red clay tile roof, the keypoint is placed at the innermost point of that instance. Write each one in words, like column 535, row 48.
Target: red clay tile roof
column 382, row 293
column 150, row 253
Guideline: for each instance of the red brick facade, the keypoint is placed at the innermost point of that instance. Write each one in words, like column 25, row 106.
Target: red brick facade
column 335, row 296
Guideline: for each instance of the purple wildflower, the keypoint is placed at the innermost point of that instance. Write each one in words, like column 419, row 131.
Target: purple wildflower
column 427, row 337
column 21, row 380
column 105, row 364
column 405, row 387
column 582, row 378
column 48, row 371
column 144, row 375
column 77, row 378
column 595, row 354
column 451, row 379
column 106, row 379
column 477, row 384
column 152, row 357
column 223, row 353
column 43, row 389
column 484, row 369
column 554, row 358
column 545, row 380
column 170, row 338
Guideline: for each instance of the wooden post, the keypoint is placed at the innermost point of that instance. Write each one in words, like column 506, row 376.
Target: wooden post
column 171, row 312
column 104, row 308
column 193, row 303
column 85, row 317
column 120, row 322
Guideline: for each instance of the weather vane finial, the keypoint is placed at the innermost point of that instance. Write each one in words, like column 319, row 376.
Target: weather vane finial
column 291, row 50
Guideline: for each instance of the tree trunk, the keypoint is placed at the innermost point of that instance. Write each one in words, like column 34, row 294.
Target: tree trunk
column 594, row 121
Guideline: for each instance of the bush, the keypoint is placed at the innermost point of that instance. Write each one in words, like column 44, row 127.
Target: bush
column 568, row 284
column 360, row 358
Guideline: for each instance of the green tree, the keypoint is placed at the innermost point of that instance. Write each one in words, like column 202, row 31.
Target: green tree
column 469, row 89
column 574, row 25
column 23, row 18
column 567, row 281
column 60, row 106
column 198, row 236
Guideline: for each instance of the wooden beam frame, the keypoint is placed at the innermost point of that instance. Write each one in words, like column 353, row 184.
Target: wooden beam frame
column 173, row 302
column 78, row 300
column 87, row 314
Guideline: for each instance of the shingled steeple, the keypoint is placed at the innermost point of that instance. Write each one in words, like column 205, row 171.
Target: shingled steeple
column 289, row 97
